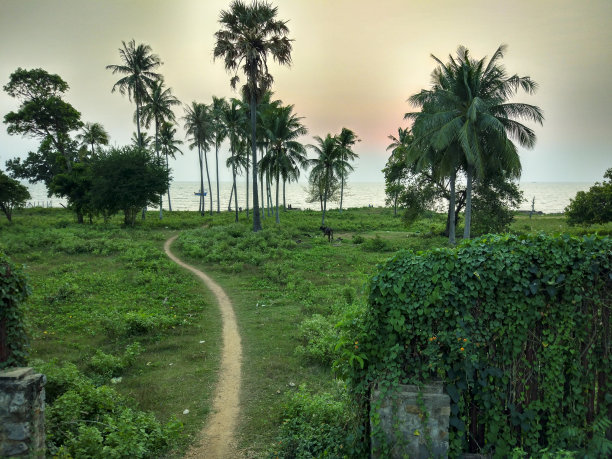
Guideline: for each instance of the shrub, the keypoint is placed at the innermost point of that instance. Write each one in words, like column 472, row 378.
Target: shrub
column 319, row 336
column 516, row 327
column 594, row 206
column 376, row 244
column 13, row 290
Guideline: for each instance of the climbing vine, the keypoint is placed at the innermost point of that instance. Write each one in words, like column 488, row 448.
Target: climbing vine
column 13, row 290
column 516, row 327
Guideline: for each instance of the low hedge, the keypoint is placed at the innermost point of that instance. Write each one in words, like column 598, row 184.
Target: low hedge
column 517, row 328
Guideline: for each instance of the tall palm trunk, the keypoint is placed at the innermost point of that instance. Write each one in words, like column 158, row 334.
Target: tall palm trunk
column 168, row 170
column 202, row 201
column 451, row 208
column 263, row 210
column 325, row 198
column 277, row 182
column 256, row 218
column 161, row 195
column 217, row 164
column 247, row 190
column 341, row 184
column 468, row 203
column 236, row 193
column 208, row 177
column 284, row 197
column 229, row 203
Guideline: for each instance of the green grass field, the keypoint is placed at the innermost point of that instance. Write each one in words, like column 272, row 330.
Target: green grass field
column 97, row 289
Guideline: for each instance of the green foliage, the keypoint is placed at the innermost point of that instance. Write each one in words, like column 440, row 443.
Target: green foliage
column 12, row 194
column 14, row 290
column 593, row 206
column 493, row 203
column 127, row 179
column 314, row 425
column 376, row 244
column 85, row 420
column 319, row 336
column 516, row 328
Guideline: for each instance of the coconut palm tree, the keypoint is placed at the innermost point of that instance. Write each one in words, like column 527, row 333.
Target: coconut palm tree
column 467, row 120
column 198, row 127
column 143, row 140
column 285, row 153
column 396, row 163
column 346, row 139
column 93, row 135
column 138, row 65
column 220, row 133
column 248, row 35
column 234, row 119
column 158, row 108
column 327, row 166
column 169, row 147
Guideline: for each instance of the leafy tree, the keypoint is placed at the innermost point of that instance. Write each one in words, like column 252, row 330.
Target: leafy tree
column 346, row 139
column 93, row 135
column 12, row 194
column 138, row 65
column 248, row 35
column 42, row 113
column 169, row 147
column 75, row 185
column 127, row 179
column 318, row 187
column 198, row 127
column 466, row 116
column 39, row 166
column 394, row 170
column 158, row 109
column 593, row 206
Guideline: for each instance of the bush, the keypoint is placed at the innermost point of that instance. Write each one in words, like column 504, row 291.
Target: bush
column 376, row 244
column 13, row 291
column 517, row 328
column 84, row 420
column 594, row 206
column 314, row 425
column 319, row 336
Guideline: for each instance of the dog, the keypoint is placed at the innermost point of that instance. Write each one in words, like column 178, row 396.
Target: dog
column 327, row 231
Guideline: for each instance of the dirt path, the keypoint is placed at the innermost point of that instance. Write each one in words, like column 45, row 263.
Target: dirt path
column 216, row 440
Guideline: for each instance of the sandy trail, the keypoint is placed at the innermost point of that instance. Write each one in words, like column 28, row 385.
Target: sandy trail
column 217, row 439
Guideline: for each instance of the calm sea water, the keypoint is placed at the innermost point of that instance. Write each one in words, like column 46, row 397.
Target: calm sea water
column 549, row 197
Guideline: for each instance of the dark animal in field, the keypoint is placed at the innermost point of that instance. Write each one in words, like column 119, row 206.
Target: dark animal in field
column 327, row 231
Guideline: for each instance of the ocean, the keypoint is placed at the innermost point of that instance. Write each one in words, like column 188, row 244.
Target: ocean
column 550, row 197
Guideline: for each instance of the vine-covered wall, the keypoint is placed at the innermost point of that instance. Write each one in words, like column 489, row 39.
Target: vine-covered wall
column 516, row 327
column 13, row 290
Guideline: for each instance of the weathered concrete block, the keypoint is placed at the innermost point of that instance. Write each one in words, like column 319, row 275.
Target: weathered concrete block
column 22, row 406
column 414, row 423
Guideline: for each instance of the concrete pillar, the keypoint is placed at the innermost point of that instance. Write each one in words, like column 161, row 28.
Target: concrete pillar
column 414, row 426
column 22, row 413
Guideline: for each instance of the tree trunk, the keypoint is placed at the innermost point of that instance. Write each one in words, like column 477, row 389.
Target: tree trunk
column 161, row 196
column 208, row 178
column 168, row 170
column 284, row 197
column 451, row 208
column 236, row 193
column 247, row 190
column 325, row 198
column 256, row 218
column 277, row 182
column 229, row 204
column 263, row 205
column 468, row 203
column 341, row 184
column 217, row 164
column 202, row 201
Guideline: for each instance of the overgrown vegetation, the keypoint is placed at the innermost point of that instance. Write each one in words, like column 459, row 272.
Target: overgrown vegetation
column 593, row 206
column 518, row 330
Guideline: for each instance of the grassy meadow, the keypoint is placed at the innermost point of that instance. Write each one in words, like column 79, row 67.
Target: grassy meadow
column 107, row 299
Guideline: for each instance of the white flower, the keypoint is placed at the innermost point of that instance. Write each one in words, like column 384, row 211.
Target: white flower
column 186, row 412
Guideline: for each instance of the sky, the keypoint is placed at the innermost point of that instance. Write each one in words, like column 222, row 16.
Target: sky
column 354, row 64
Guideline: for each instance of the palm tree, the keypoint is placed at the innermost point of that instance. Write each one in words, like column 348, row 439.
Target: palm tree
column 199, row 127
column 220, row 133
column 138, row 65
column 466, row 117
column 93, row 135
column 143, row 140
column 234, row 119
column 169, row 147
column 158, row 108
column 395, row 164
column 346, row 139
column 248, row 35
column 285, row 153
column 327, row 165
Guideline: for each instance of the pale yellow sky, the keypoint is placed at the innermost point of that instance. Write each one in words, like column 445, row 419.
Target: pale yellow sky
column 354, row 64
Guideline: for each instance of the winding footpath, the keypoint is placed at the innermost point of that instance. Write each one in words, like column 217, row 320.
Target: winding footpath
column 217, row 439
